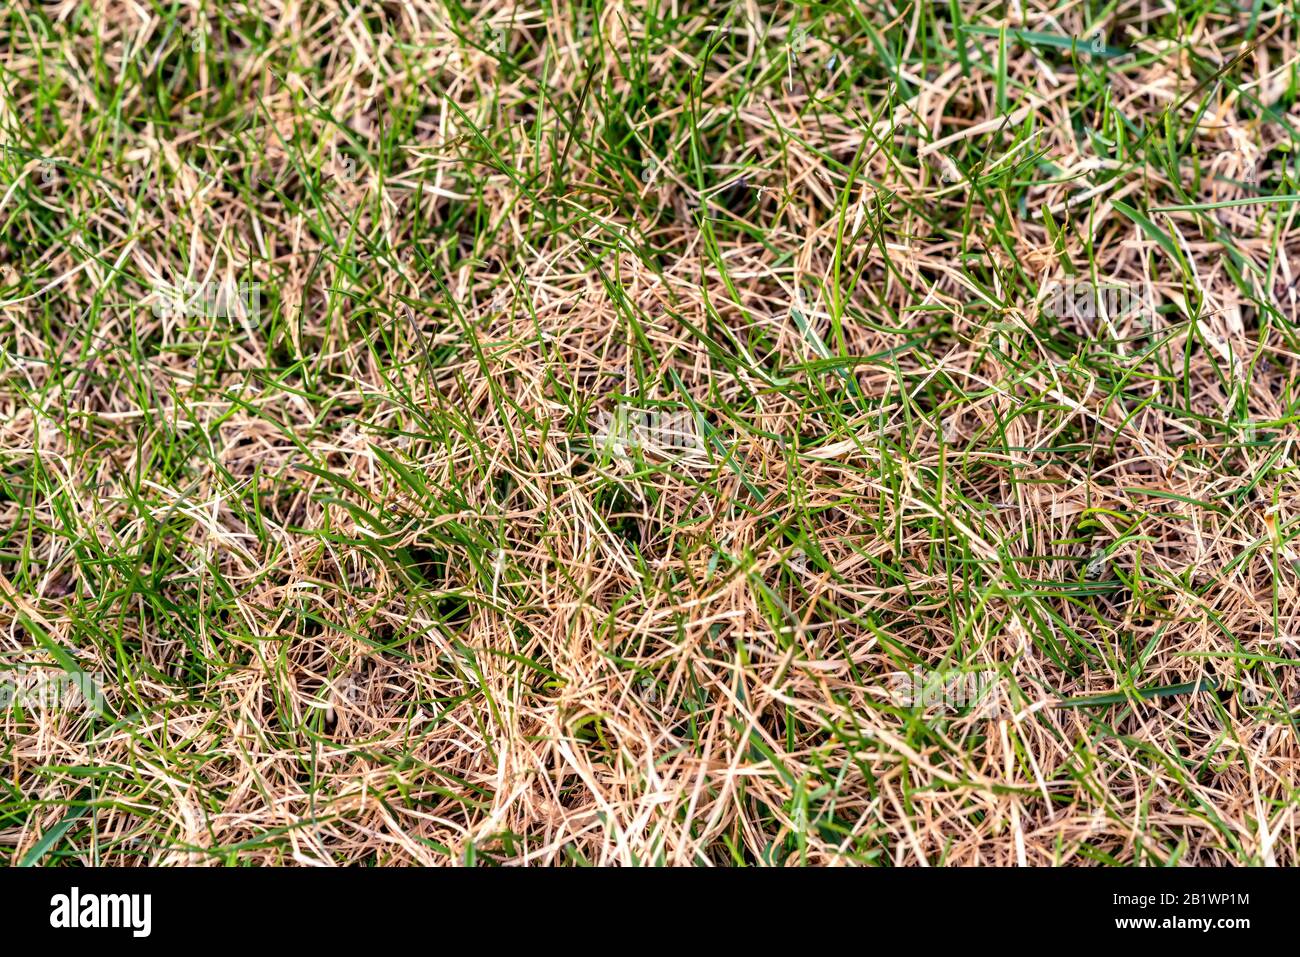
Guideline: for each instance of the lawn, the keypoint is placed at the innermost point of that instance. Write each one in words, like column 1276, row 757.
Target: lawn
column 653, row 433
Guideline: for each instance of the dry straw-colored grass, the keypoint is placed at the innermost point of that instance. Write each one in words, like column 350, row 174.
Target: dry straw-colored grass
column 360, row 590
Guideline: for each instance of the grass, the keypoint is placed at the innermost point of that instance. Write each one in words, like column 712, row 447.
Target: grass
column 635, row 399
